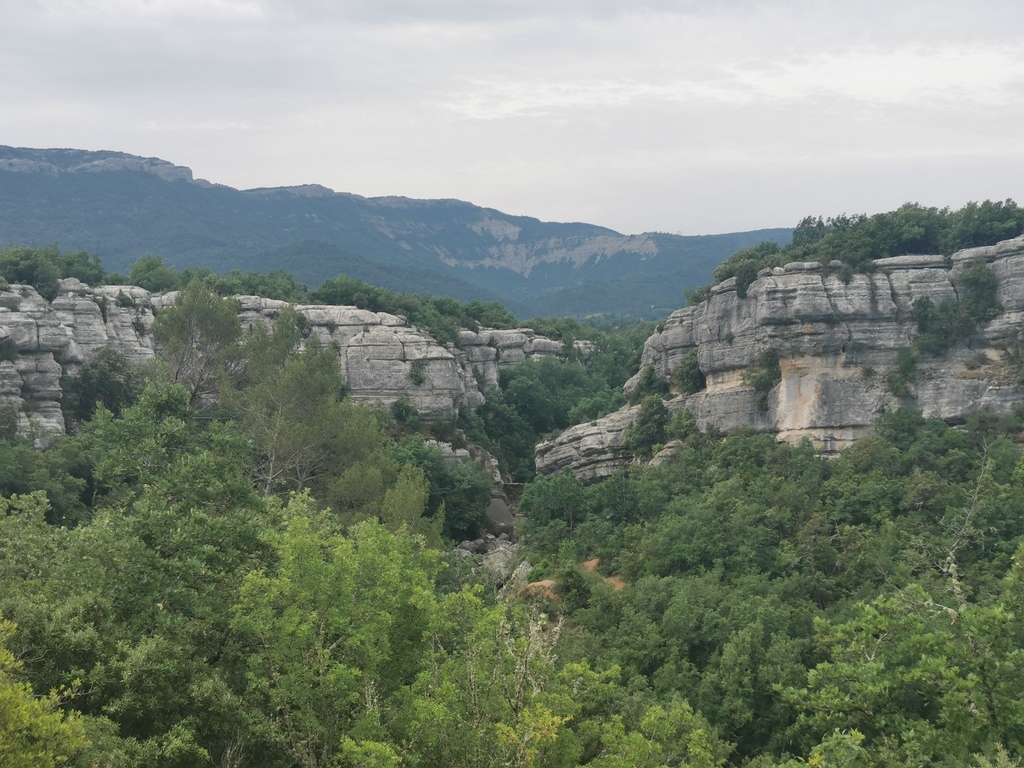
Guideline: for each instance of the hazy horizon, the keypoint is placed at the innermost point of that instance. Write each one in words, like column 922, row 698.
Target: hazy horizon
column 685, row 117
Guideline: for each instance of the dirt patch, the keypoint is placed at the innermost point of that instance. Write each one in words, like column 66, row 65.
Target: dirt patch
column 544, row 588
column 616, row 583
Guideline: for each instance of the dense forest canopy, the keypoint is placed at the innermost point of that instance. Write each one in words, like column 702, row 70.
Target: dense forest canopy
column 229, row 563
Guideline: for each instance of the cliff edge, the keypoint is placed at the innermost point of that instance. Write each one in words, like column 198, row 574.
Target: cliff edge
column 837, row 346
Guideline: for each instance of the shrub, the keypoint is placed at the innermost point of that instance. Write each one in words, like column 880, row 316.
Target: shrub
column 978, row 286
column 649, row 428
column 416, row 373
column 688, row 376
column 649, row 384
column 762, row 377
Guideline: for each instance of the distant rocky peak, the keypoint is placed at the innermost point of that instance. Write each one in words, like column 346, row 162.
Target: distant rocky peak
column 54, row 161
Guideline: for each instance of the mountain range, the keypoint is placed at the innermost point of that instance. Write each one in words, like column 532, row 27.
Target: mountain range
column 123, row 207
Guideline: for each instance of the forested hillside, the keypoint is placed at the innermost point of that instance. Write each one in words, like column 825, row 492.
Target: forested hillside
column 227, row 562
column 127, row 207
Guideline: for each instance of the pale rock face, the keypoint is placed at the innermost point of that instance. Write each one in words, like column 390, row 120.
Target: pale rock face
column 488, row 351
column 381, row 356
column 835, row 343
column 378, row 354
column 58, row 337
column 592, row 450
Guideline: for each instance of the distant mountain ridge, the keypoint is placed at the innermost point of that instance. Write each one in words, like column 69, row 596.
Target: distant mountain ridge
column 124, row 207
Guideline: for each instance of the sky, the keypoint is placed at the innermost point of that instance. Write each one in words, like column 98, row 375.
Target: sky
column 688, row 116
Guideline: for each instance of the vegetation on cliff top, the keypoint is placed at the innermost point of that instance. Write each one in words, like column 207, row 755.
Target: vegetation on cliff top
column 855, row 241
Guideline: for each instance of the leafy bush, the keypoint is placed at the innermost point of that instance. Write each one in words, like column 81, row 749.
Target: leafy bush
column 978, row 286
column 648, row 384
column 43, row 267
column 856, row 241
column 649, row 428
column 688, row 376
column 106, row 380
column 416, row 373
column 762, row 377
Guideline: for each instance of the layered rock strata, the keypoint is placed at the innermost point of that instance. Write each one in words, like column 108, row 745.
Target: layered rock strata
column 835, row 341
column 383, row 358
column 489, row 350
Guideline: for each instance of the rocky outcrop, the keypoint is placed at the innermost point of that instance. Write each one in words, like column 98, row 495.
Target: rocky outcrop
column 41, row 341
column 835, row 342
column 593, row 450
column 489, row 350
column 499, row 557
column 383, row 358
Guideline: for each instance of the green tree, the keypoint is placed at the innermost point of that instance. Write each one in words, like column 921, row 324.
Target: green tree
column 335, row 631
column 290, row 406
column 151, row 273
column 34, row 731
column 43, row 267
column 648, row 430
column 198, row 336
column 107, row 379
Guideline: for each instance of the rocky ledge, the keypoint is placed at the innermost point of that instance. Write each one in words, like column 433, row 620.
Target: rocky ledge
column 836, row 342
column 383, row 358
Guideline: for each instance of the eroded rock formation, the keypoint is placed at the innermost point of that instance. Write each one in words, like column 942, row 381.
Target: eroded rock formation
column 835, row 341
column 383, row 358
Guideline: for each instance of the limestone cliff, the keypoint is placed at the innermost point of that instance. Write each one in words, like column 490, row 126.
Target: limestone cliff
column 835, row 341
column 41, row 341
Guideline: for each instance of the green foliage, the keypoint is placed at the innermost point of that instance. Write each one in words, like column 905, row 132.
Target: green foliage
column 898, row 380
column 43, row 267
column 333, row 632
column 262, row 582
column 941, row 328
column 106, row 380
column 151, row 273
column 762, row 377
column 439, row 316
column 460, row 493
column 649, row 384
column 538, row 397
column 198, row 336
column 688, row 377
column 733, row 550
column 978, row 286
column 648, row 431
column 744, row 265
column 416, row 373
column 694, row 296
column 34, row 731
column 856, row 241
column 406, row 416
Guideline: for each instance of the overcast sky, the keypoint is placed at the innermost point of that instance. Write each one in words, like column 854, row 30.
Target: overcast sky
column 696, row 116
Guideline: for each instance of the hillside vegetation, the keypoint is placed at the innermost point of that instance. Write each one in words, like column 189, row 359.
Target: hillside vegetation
column 853, row 242
column 231, row 564
column 127, row 207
